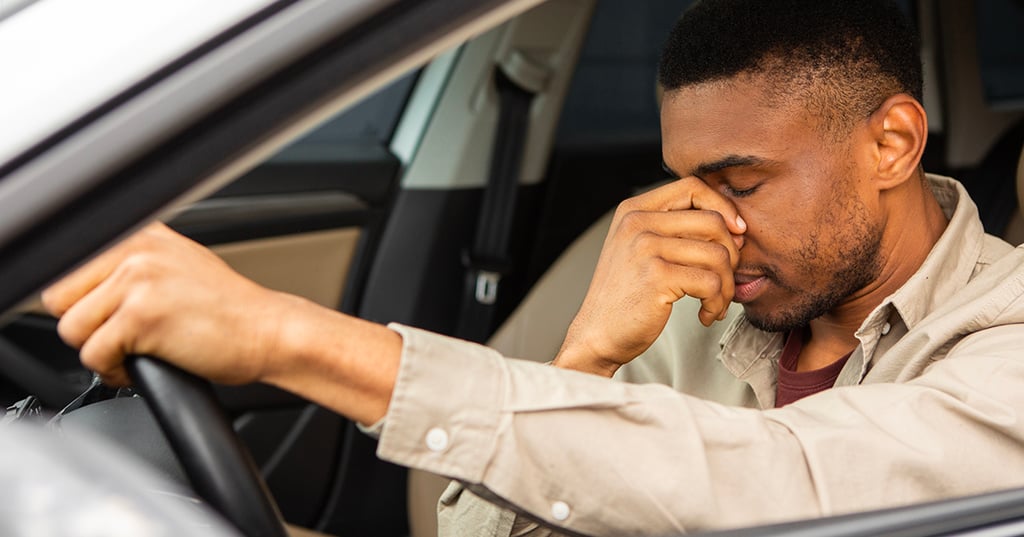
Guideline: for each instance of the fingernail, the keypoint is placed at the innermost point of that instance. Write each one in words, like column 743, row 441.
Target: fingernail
column 740, row 223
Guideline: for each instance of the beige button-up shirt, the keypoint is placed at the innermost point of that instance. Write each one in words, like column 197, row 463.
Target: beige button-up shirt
column 930, row 405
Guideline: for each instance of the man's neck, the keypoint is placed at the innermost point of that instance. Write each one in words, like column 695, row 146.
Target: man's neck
column 909, row 235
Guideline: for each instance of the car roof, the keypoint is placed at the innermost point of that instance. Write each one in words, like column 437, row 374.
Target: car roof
column 71, row 57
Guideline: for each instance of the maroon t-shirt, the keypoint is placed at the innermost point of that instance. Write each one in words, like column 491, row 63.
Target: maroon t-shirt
column 794, row 385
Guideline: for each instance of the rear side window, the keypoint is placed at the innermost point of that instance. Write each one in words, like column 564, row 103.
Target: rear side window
column 371, row 122
column 612, row 96
column 1001, row 52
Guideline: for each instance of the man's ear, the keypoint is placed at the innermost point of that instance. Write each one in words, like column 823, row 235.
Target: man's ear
column 900, row 129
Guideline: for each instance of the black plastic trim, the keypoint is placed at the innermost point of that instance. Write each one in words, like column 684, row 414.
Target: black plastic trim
column 254, row 217
column 368, row 172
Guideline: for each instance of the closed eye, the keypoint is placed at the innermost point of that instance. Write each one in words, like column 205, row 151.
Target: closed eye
column 739, row 193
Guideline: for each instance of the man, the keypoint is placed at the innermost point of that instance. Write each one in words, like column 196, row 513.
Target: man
column 871, row 299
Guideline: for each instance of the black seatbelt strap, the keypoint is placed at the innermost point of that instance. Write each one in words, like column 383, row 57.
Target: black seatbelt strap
column 488, row 260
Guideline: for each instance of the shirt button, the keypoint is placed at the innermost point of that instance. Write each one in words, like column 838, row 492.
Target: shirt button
column 560, row 511
column 886, row 328
column 437, row 439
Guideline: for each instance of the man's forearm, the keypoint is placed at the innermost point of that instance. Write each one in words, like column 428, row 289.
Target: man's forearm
column 343, row 363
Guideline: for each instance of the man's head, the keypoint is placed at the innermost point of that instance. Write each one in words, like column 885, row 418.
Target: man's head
column 842, row 58
column 806, row 115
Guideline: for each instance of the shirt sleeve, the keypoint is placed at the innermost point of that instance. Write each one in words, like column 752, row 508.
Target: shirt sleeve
column 597, row 457
column 464, row 514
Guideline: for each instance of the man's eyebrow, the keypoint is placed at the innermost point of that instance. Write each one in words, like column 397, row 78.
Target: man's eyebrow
column 729, row 161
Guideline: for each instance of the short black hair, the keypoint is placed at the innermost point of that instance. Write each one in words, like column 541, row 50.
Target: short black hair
column 845, row 57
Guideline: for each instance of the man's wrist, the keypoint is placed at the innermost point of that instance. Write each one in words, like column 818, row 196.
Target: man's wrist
column 285, row 343
column 572, row 358
column 341, row 362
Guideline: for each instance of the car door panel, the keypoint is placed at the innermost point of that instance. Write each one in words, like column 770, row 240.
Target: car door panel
column 322, row 258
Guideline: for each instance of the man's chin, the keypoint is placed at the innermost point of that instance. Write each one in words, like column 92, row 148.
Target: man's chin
column 771, row 318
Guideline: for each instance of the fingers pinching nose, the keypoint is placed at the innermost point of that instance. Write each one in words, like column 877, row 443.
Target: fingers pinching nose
column 740, row 223
column 738, row 241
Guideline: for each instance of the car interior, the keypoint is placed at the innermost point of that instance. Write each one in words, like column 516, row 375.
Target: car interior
column 378, row 212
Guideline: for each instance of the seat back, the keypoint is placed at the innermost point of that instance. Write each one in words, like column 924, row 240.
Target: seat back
column 1020, row 179
column 1014, row 233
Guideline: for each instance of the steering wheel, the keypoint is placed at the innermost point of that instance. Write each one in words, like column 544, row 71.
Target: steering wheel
column 218, row 465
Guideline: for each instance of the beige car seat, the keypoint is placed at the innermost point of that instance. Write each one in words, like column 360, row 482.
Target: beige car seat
column 1014, row 233
column 1020, row 180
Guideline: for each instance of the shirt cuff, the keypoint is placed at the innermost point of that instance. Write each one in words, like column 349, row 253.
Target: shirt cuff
column 425, row 425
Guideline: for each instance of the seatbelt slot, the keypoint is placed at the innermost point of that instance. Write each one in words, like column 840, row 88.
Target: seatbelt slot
column 487, row 286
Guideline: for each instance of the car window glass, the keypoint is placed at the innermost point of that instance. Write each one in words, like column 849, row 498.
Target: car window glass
column 612, row 95
column 1001, row 51
column 370, row 122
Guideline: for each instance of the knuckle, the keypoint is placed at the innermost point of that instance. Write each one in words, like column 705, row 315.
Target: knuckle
column 627, row 205
column 705, row 284
column 136, row 312
column 95, row 361
column 713, row 217
column 645, row 242
column 693, row 183
column 71, row 332
column 138, row 265
column 660, row 270
column 631, row 222
column 105, row 360
column 719, row 254
column 713, row 283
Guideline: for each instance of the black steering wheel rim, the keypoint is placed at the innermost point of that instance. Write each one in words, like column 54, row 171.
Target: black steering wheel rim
column 220, row 468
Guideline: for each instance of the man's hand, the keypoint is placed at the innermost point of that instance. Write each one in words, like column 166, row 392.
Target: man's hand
column 160, row 294
column 680, row 239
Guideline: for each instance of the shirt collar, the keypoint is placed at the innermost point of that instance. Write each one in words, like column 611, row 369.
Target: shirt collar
column 951, row 262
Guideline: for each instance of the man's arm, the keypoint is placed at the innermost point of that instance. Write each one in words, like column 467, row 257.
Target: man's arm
column 682, row 239
column 160, row 294
column 603, row 458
